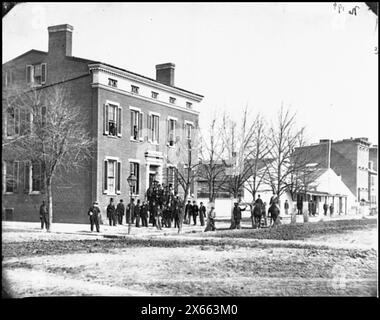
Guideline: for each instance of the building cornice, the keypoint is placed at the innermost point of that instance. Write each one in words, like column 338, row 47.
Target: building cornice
column 143, row 80
column 130, row 94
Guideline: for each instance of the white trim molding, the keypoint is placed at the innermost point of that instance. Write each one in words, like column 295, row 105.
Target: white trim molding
column 135, row 109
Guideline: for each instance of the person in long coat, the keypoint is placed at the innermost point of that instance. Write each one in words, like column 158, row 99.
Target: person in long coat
column 195, row 210
column 120, row 209
column 325, row 208
column 94, row 213
column 111, row 213
column 188, row 212
column 137, row 213
column 202, row 213
column 144, row 214
column 130, row 212
column 211, row 219
column 44, row 215
column 236, row 211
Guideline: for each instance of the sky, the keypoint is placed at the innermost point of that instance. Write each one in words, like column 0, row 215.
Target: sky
column 319, row 63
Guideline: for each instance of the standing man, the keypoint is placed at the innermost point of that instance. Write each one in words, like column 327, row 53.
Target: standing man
column 195, row 210
column 273, row 199
column 94, row 212
column 299, row 206
column 202, row 213
column 111, row 213
column 144, row 214
column 211, row 219
column 259, row 201
column 120, row 209
column 137, row 213
column 44, row 215
column 130, row 212
column 286, row 207
column 325, row 208
column 188, row 211
column 331, row 209
column 237, row 215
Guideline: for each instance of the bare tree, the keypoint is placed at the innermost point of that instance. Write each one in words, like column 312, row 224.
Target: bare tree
column 212, row 169
column 282, row 138
column 51, row 133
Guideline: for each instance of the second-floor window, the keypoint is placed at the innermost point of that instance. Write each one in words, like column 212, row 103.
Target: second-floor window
column 112, row 120
column 112, row 82
column 12, row 122
column 171, row 132
column 136, row 124
column 188, row 133
column 153, row 128
column 36, row 74
column 135, row 89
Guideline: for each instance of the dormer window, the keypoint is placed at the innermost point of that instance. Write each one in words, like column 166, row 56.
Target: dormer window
column 112, row 82
column 36, row 74
column 135, row 89
column 172, row 100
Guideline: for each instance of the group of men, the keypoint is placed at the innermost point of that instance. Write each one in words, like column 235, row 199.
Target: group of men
column 192, row 211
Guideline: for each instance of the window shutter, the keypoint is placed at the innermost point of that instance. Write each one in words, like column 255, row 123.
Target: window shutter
column 137, row 178
column 43, row 73
column 17, row 121
column 118, row 177
column 16, row 175
column 119, row 121
column 149, row 124
column 105, row 118
column 132, row 113
column 140, row 124
column 105, row 175
column 29, row 74
column 158, row 129
column 27, row 177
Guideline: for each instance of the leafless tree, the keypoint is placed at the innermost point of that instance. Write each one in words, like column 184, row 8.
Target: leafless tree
column 50, row 133
column 212, row 169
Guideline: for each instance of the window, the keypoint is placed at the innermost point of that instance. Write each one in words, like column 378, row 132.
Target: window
column 188, row 133
column 172, row 100
column 112, row 82
column 112, row 176
column 11, row 176
column 135, row 169
column 154, row 95
column 13, row 122
column 8, row 78
column 153, row 127
column 171, row 132
column 112, row 120
column 37, row 176
column 135, row 89
column 171, row 176
column 189, row 105
column 136, row 125
column 36, row 74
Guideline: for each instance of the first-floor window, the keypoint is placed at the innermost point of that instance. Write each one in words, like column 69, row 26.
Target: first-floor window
column 135, row 169
column 37, row 176
column 112, row 172
column 11, row 176
column 171, row 176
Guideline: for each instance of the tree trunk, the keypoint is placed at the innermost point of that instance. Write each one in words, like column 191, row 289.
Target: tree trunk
column 49, row 203
column 182, row 215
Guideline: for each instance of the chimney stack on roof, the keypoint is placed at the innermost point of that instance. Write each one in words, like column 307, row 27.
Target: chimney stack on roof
column 165, row 73
column 60, row 40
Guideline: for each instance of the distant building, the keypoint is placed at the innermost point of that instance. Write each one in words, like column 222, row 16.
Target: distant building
column 135, row 120
column 350, row 159
column 372, row 177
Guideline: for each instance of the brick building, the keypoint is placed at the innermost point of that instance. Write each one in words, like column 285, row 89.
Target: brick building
column 350, row 159
column 138, row 124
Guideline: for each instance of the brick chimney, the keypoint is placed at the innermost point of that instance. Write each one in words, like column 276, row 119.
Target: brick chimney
column 165, row 73
column 60, row 40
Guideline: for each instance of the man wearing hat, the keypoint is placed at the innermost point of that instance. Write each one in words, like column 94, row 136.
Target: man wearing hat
column 211, row 218
column 120, row 209
column 94, row 212
column 236, row 212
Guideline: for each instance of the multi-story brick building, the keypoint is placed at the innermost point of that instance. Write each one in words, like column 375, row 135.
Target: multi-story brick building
column 350, row 159
column 137, row 122
column 372, row 178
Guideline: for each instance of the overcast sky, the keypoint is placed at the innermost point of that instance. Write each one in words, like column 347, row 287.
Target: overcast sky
column 320, row 63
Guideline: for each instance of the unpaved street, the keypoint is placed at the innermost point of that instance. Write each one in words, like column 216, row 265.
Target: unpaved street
column 335, row 258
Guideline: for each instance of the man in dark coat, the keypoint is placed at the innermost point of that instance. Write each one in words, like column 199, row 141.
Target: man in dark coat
column 137, row 213
column 195, row 211
column 129, row 217
column 331, row 209
column 286, row 207
column 94, row 212
column 325, row 208
column 188, row 212
column 44, row 215
column 237, row 215
column 111, row 213
column 120, row 209
column 259, row 201
column 299, row 206
column 273, row 199
column 144, row 214
column 202, row 213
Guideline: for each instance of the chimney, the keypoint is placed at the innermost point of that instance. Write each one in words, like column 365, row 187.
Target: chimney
column 165, row 73
column 60, row 40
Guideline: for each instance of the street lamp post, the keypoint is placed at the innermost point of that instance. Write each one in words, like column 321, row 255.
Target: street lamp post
column 131, row 182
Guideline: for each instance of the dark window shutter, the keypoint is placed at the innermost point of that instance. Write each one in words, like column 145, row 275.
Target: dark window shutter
column 140, row 124
column 118, row 177
column 119, row 121
column 27, row 177
column 132, row 114
column 16, row 176
column 105, row 175
column 43, row 73
column 29, row 71
column 105, row 118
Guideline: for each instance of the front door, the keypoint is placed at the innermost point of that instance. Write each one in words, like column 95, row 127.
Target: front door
column 152, row 177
